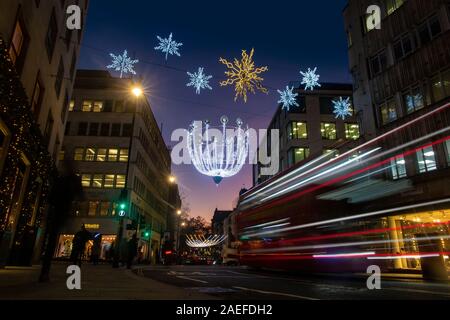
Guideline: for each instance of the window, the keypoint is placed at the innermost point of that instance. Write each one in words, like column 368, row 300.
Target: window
column 301, row 105
column 98, row 106
column 120, row 181
column 112, row 155
column 62, row 154
column 413, row 100
column 93, row 206
column 71, row 105
column 403, row 47
column 90, row 154
column 82, row 128
column 297, row 130
column 378, row 63
column 93, row 129
column 388, row 112
column 109, row 181
column 351, row 131
column 97, row 181
column 447, row 148
column 38, row 95
column 119, row 107
column 326, row 105
column 59, row 77
column 108, row 106
column 18, row 45
column 123, row 157
column 48, row 127
column 296, row 155
column 333, row 151
column 328, row 131
column 429, row 30
column 67, row 129
column 104, row 129
column 104, row 208
column 87, row 106
column 115, row 130
column 393, row 5
column 101, row 155
column 78, row 154
column 52, row 33
column 426, row 160
column 440, row 86
column 86, row 180
column 127, row 130
column 398, row 168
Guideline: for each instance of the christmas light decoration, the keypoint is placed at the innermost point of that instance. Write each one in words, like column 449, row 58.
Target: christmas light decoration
column 244, row 75
column 222, row 153
column 310, row 79
column 342, row 108
column 199, row 241
column 122, row 63
column 288, row 98
column 199, row 80
column 168, row 46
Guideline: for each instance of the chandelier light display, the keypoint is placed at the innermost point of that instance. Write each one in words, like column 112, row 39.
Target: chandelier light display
column 195, row 241
column 218, row 152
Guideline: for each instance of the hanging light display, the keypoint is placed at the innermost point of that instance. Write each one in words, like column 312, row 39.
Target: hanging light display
column 196, row 241
column 218, row 152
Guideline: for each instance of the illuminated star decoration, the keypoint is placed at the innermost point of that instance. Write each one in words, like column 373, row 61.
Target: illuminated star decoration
column 288, row 98
column 122, row 63
column 342, row 108
column 310, row 79
column 244, row 75
column 168, row 46
column 199, row 80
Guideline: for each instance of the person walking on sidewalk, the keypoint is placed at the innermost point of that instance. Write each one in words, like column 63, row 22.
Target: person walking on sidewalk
column 132, row 250
column 79, row 245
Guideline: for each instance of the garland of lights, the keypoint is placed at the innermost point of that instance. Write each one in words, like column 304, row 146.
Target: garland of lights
column 195, row 241
column 218, row 159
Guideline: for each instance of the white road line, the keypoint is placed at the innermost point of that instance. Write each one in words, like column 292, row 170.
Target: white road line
column 192, row 279
column 276, row 293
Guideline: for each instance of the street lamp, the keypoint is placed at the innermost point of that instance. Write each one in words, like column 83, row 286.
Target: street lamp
column 172, row 179
column 137, row 91
column 179, row 212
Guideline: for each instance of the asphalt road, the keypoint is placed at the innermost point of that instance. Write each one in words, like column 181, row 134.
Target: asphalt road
column 240, row 283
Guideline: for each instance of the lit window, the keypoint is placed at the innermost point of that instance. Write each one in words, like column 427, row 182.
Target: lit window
column 413, row 101
column 351, row 131
column 109, row 181
column 298, row 130
column 398, row 167
column 328, row 131
column 93, row 206
column 90, row 154
column 101, row 155
column 388, row 112
column 120, row 181
column 78, row 154
column 426, row 160
column 333, row 151
column 437, row 88
column 104, row 208
column 71, row 106
column 86, row 180
column 17, row 41
column 97, row 181
column 112, row 155
column 61, row 155
column 123, row 155
column 297, row 154
column 87, row 106
column 392, row 5
column 98, row 106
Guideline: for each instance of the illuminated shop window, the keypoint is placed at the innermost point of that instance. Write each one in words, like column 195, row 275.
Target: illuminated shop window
column 328, row 131
column 398, row 168
column 426, row 160
column 298, row 130
column 351, row 131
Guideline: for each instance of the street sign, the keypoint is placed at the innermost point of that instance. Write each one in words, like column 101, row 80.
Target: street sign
column 122, row 213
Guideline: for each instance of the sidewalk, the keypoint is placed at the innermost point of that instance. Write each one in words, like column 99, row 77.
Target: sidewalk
column 100, row 282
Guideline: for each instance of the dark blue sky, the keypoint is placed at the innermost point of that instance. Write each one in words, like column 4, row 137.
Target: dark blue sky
column 288, row 36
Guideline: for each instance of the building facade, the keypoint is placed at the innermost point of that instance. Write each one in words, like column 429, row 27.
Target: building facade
column 312, row 128
column 115, row 143
column 43, row 54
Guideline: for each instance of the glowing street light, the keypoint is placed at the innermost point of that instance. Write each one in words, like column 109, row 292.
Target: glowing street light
column 183, row 224
column 137, row 91
column 178, row 212
column 172, row 179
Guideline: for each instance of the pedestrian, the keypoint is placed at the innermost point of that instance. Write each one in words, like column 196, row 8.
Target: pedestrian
column 132, row 250
column 96, row 249
column 79, row 245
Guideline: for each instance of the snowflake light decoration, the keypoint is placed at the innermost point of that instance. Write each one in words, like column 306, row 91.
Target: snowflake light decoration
column 288, row 98
column 199, row 80
column 342, row 108
column 244, row 75
column 310, row 79
column 168, row 46
column 122, row 63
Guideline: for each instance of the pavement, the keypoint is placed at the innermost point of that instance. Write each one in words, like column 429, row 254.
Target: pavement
column 240, row 283
column 100, row 282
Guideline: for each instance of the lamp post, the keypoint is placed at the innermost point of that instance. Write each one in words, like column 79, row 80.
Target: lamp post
column 123, row 208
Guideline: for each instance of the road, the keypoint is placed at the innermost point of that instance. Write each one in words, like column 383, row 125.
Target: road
column 240, row 283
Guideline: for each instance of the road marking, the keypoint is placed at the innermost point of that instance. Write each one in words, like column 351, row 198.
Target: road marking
column 276, row 293
column 192, row 279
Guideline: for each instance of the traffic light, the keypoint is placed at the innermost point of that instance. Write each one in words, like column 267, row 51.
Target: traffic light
column 123, row 201
column 146, row 234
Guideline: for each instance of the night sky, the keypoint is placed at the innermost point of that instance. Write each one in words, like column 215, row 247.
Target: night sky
column 288, row 36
